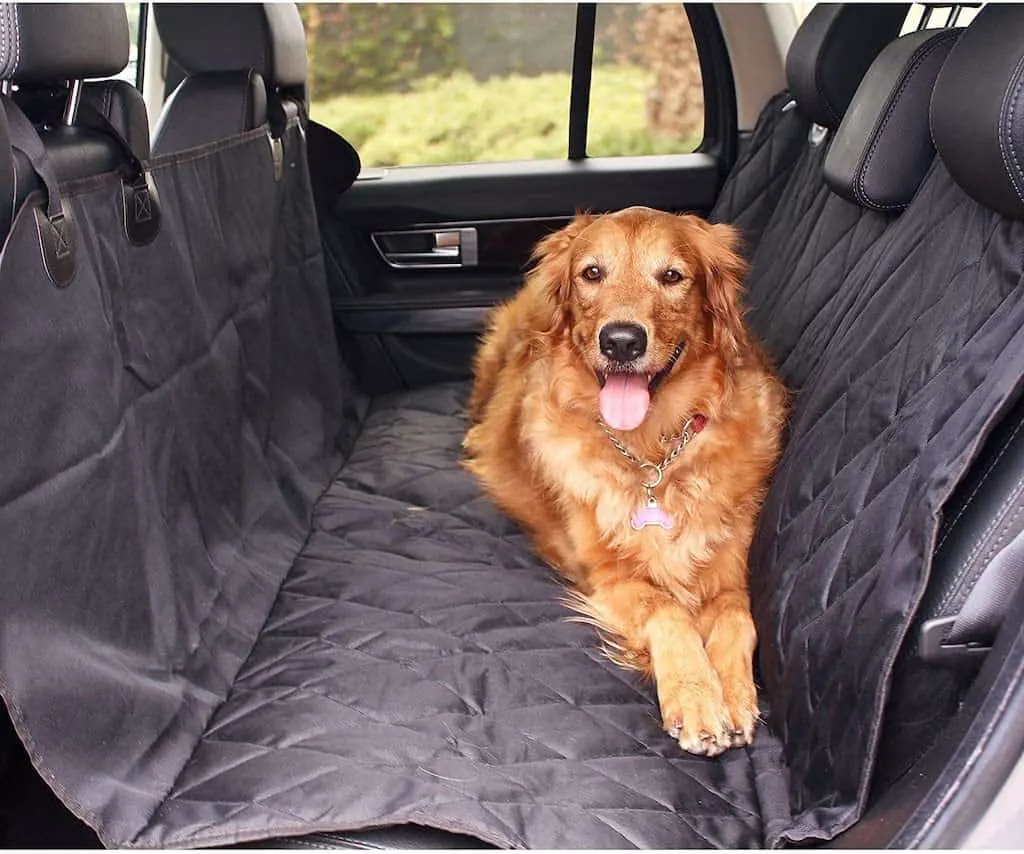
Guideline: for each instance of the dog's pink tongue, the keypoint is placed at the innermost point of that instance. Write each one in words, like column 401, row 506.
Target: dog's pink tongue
column 624, row 401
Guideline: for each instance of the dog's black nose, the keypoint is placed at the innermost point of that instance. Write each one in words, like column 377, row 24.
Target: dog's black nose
column 623, row 342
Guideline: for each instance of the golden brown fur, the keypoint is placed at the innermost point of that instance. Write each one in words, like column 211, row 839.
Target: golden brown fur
column 671, row 603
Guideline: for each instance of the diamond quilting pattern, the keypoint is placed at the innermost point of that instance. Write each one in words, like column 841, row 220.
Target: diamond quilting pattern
column 421, row 669
column 925, row 351
column 752, row 191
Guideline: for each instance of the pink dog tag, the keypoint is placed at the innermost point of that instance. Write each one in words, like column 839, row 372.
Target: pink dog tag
column 652, row 514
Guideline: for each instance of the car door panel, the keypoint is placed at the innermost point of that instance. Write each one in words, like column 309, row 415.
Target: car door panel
column 416, row 318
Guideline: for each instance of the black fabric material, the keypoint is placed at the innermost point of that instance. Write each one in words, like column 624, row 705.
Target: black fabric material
column 267, row 37
column 211, row 106
column 206, row 633
column 249, row 642
column 985, row 513
column 883, row 147
column 832, row 49
column 151, row 590
column 797, row 273
column 45, row 42
column 758, row 179
column 334, row 166
column 886, row 423
column 977, row 109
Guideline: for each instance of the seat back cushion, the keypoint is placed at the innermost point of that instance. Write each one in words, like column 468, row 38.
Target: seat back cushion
column 922, row 363
column 210, row 106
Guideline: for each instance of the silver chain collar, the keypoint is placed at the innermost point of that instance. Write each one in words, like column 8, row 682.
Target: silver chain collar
column 684, row 436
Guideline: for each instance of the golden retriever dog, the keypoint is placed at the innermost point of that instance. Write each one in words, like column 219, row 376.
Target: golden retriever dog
column 622, row 412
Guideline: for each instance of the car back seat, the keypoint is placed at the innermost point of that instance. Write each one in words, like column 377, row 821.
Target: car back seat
column 257, row 61
column 412, row 663
column 827, row 58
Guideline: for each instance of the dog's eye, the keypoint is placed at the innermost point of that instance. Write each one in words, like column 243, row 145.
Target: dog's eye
column 592, row 273
column 672, row 277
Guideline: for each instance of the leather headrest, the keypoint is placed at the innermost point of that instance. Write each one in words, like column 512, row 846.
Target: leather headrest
column 45, row 42
column 977, row 110
column 831, row 51
column 269, row 38
column 883, row 147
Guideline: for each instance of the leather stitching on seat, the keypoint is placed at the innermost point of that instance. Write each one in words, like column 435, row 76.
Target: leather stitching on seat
column 991, row 528
column 5, row 42
column 1006, row 124
column 10, row 35
column 988, row 471
column 928, row 49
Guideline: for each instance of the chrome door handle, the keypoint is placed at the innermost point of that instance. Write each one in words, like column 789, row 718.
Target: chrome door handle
column 444, row 248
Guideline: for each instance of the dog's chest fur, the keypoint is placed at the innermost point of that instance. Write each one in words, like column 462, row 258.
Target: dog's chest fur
column 598, row 491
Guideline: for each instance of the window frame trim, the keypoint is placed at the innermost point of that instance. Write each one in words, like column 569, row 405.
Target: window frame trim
column 720, row 132
column 582, row 75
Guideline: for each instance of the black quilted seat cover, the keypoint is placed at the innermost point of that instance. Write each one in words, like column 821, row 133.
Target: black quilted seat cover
column 798, row 271
column 926, row 344
column 417, row 668
column 242, row 602
column 758, row 179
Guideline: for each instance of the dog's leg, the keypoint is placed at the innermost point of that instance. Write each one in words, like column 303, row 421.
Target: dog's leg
column 649, row 623
column 730, row 638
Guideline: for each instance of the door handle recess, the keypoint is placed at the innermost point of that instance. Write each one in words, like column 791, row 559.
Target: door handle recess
column 428, row 248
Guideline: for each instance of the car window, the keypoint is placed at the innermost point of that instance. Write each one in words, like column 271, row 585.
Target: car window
column 646, row 94
column 412, row 84
column 921, row 16
column 132, row 72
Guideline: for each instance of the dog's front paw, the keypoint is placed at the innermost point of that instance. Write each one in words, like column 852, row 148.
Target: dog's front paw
column 740, row 697
column 696, row 715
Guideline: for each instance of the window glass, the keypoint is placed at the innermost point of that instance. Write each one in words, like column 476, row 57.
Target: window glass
column 931, row 16
column 646, row 94
column 132, row 71
column 921, row 16
column 421, row 83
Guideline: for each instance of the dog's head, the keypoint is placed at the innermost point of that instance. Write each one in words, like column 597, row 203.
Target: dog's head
column 632, row 287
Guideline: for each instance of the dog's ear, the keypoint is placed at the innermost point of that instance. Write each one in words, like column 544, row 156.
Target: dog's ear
column 723, row 270
column 551, row 277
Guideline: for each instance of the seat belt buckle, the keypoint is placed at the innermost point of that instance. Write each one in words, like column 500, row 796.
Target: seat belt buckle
column 934, row 647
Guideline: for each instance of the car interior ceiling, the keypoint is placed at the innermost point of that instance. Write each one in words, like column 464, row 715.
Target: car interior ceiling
column 251, row 598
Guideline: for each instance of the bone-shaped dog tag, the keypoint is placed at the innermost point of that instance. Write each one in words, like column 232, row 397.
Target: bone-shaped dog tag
column 652, row 514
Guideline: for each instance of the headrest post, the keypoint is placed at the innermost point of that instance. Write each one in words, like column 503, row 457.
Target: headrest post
column 74, row 98
column 5, row 87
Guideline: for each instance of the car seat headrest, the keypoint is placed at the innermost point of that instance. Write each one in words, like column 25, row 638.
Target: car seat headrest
column 977, row 110
column 831, row 51
column 46, row 42
column 210, row 106
column 883, row 146
column 269, row 38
